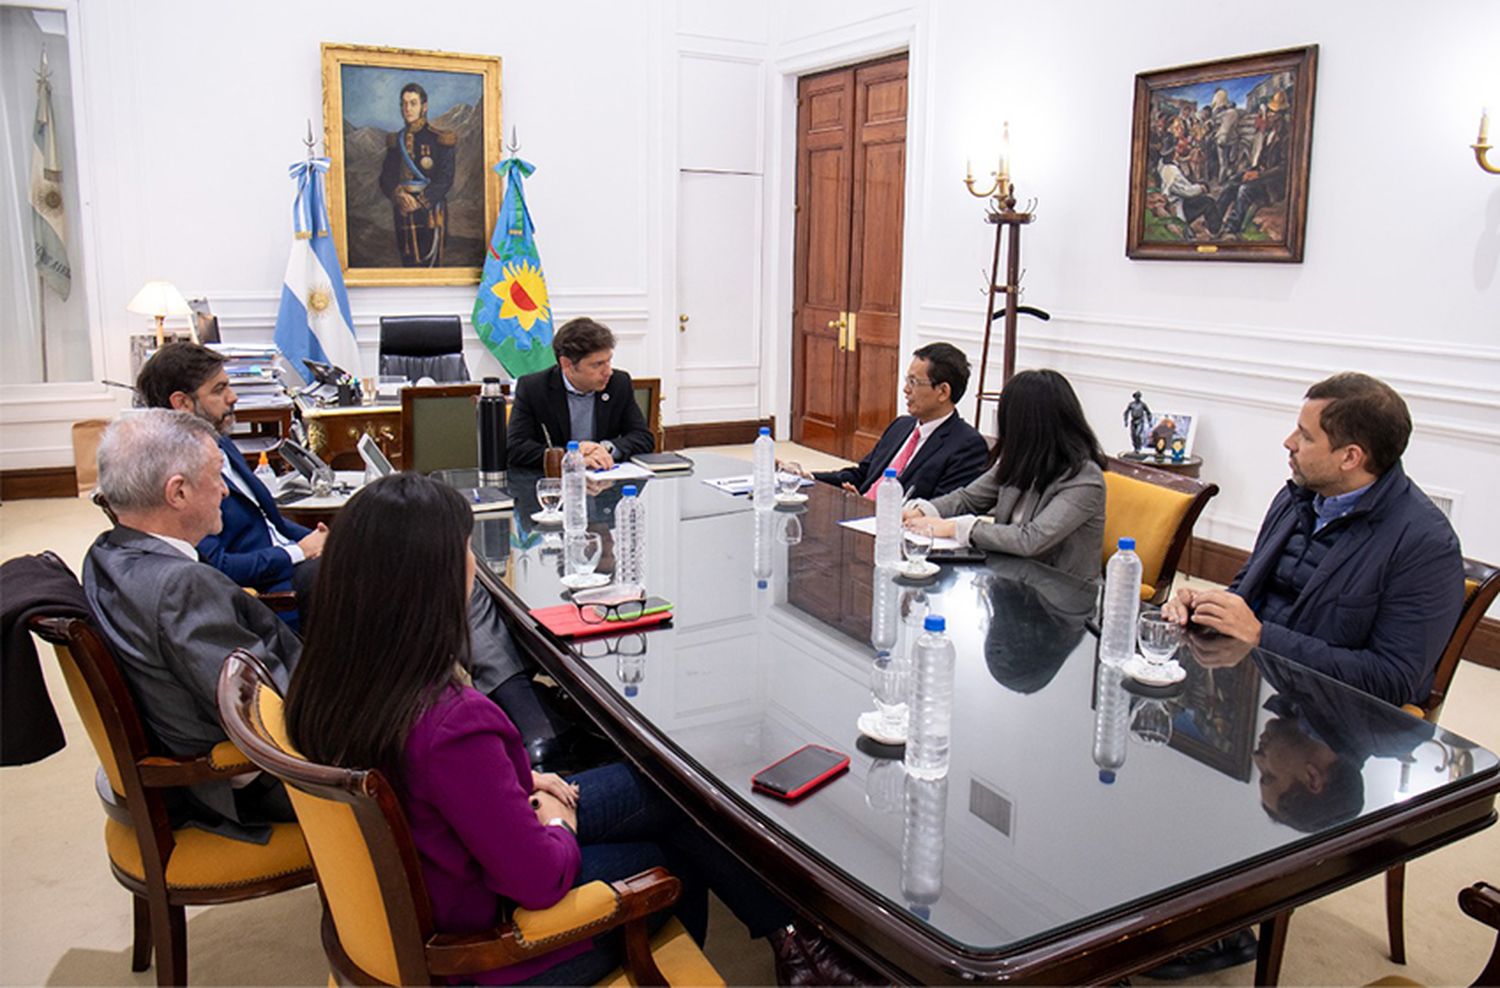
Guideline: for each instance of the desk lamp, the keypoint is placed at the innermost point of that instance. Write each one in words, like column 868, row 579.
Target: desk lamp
column 161, row 299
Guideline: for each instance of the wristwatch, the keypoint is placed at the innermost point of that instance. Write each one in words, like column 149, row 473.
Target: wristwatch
column 558, row 821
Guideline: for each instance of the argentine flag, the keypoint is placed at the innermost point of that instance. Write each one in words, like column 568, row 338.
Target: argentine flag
column 314, row 321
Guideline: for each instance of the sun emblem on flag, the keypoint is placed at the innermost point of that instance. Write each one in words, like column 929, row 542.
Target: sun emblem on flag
column 319, row 299
column 523, row 295
column 47, row 198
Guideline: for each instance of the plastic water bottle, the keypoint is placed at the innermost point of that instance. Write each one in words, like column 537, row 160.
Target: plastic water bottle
column 265, row 473
column 1111, row 721
column 888, row 498
column 923, row 836
column 1122, row 605
column 575, row 492
column 630, row 539
column 884, row 606
column 931, row 713
column 762, row 563
column 763, row 477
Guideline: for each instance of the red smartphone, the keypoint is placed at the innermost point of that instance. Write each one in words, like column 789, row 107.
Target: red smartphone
column 800, row 773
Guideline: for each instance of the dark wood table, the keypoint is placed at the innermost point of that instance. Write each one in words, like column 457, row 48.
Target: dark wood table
column 1040, row 859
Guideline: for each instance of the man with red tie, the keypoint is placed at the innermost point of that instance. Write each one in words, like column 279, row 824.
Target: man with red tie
column 932, row 449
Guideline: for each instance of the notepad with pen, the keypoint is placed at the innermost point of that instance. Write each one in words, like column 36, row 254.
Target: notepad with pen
column 565, row 621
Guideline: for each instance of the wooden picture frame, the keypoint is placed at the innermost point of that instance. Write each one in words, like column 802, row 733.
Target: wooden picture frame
column 411, row 201
column 1216, row 715
column 1219, row 159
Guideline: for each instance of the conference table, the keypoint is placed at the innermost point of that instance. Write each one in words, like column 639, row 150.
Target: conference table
column 1087, row 828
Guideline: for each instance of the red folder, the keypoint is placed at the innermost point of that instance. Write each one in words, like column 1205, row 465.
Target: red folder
column 563, row 620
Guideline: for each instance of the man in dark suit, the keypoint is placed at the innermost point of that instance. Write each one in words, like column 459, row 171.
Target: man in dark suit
column 1355, row 572
column 932, row 449
column 255, row 546
column 169, row 619
column 583, row 398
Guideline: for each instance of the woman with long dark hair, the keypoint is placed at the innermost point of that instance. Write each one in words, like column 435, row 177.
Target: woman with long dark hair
column 1044, row 488
column 381, row 684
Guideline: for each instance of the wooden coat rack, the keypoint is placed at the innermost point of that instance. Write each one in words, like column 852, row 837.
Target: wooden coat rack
column 1008, row 223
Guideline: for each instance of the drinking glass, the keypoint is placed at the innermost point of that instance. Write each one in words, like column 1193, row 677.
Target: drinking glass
column 1151, row 722
column 890, row 682
column 549, row 495
column 790, row 530
column 915, row 546
column 582, row 553
column 1159, row 637
column 789, row 481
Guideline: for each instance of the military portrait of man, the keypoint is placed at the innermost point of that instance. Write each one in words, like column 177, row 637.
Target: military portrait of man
column 416, row 177
column 413, row 137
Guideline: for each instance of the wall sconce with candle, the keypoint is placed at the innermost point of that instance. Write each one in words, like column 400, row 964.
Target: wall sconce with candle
column 1482, row 145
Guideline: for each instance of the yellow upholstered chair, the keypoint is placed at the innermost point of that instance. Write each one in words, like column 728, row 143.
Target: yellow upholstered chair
column 377, row 920
column 1481, row 901
column 1158, row 509
column 164, row 869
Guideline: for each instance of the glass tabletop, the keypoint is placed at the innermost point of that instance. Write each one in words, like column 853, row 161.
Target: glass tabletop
column 1069, row 794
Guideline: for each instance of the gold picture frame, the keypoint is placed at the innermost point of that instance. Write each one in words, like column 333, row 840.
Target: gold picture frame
column 387, row 228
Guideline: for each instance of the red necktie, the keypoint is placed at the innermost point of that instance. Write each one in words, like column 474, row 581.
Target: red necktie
column 902, row 458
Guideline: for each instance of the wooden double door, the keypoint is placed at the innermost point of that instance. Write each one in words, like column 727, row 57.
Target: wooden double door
column 851, row 180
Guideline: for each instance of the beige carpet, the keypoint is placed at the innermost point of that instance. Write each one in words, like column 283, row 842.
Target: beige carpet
column 64, row 920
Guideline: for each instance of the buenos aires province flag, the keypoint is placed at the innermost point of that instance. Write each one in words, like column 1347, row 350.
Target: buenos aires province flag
column 512, row 314
column 313, row 322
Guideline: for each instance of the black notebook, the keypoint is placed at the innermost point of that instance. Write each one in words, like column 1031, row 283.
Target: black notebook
column 662, row 462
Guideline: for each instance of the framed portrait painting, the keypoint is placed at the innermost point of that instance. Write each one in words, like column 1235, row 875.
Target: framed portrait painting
column 1219, row 159
column 413, row 137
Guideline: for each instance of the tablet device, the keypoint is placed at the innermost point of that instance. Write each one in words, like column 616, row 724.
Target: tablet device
column 799, row 773
column 375, row 461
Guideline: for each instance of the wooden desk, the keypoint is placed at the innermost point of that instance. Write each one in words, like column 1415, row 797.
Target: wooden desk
column 268, row 426
column 334, row 433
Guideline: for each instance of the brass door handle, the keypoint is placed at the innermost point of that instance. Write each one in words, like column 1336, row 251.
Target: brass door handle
column 842, row 325
column 682, row 322
column 852, row 324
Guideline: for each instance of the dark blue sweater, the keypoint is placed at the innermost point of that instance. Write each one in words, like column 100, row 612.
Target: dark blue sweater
column 1384, row 598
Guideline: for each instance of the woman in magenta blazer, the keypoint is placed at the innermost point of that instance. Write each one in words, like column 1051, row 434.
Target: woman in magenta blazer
column 381, row 684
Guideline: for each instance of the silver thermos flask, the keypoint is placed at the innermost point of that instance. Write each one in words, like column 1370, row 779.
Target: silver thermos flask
column 491, row 434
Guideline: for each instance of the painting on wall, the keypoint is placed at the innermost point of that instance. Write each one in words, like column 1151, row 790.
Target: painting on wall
column 1219, row 159
column 412, row 137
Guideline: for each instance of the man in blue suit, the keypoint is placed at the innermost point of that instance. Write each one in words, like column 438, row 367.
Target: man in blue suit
column 933, row 450
column 257, row 547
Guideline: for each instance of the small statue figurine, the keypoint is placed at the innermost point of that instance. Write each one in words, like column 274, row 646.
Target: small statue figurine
column 1179, row 449
column 1136, row 417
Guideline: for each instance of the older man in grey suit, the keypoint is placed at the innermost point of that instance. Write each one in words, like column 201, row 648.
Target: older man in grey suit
column 171, row 619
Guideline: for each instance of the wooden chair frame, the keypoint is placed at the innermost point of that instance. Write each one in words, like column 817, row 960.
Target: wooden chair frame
column 1487, row 588
column 160, row 922
column 423, row 956
column 1200, row 491
column 652, row 387
column 413, row 393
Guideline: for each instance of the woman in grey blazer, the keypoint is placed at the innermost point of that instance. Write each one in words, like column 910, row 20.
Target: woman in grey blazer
column 1043, row 490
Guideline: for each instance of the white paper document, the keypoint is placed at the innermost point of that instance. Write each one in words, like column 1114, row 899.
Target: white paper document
column 867, row 527
column 743, row 485
column 621, row 471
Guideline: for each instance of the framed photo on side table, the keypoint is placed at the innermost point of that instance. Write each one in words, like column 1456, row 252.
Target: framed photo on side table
column 413, row 137
column 1219, row 159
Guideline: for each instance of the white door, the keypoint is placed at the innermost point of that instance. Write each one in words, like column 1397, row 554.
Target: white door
column 718, row 297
